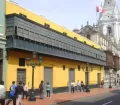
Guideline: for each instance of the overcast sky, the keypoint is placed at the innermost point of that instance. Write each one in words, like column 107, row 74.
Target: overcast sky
column 68, row 13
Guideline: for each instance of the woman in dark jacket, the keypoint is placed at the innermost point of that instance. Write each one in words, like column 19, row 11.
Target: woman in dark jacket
column 41, row 87
column 82, row 85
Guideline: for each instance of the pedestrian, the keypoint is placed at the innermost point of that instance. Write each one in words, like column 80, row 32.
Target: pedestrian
column 25, row 93
column 12, row 94
column 102, row 83
column 2, row 93
column 72, row 87
column 119, row 81
column 48, row 89
column 78, row 86
column 41, row 87
column 115, row 82
column 82, row 86
column 19, row 92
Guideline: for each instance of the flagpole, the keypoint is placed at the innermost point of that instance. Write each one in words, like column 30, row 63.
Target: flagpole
column 97, row 23
column 96, row 14
column 96, row 17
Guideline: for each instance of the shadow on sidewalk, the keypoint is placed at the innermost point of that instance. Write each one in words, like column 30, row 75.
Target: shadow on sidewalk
column 95, row 100
column 78, row 103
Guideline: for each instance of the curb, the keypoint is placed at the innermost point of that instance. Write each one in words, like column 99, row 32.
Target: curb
column 79, row 98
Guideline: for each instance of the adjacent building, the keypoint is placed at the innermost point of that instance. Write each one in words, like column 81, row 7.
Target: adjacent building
column 2, row 42
column 66, row 56
column 106, row 34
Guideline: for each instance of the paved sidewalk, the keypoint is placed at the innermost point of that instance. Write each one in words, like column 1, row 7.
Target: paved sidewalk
column 59, row 98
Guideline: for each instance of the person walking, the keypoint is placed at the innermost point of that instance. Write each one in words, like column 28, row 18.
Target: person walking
column 102, row 83
column 2, row 93
column 12, row 94
column 72, row 87
column 82, row 86
column 25, row 93
column 48, row 89
column 19, row 92
column 41, row 87
column 119, row 82
column 78, row 86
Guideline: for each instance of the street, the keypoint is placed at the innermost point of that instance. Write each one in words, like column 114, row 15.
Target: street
column 112, row 98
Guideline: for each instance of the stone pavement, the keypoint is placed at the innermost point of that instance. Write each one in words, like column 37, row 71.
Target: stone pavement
column 63, row 97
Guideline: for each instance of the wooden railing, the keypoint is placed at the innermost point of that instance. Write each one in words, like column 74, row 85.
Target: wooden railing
column 109, row 59
column 116, row 62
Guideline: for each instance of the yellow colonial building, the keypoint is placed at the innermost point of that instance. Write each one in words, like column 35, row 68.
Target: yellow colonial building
column 66, row 56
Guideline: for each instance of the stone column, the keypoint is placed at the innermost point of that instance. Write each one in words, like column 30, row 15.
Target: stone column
column 106, row 78
column 116, row 32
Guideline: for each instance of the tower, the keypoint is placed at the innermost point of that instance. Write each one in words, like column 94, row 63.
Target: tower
column 109, row 22
column 109, row 4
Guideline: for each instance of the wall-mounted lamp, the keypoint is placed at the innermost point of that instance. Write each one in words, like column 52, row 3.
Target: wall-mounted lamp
column 79, row 67
column 83, row 68
column 63, row 67
column 87, row 68
column 34, row 63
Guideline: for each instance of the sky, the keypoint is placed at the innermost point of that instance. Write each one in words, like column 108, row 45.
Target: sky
column 67, row 13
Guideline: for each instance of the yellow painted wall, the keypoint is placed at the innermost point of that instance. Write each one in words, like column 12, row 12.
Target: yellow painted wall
column 93, row 75
column 13, row 8
column 60, row 76
column 13, row 64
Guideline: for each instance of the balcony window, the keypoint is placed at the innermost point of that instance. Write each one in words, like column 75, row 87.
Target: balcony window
column 47, row 25
column 21, row 61
column 64, row 33
column 75, row 38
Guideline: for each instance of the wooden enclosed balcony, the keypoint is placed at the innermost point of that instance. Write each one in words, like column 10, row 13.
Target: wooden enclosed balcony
column 116, row 62
column 109, row 59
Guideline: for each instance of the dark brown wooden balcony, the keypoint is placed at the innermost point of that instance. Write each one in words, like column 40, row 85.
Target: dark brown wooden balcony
column 116, row 62
column 109, row 59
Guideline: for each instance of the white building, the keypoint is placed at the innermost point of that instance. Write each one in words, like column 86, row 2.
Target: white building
column 107, row 34
column 110, row 20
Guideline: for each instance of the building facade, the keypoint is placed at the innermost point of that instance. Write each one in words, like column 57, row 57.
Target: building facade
column 66, row 55
column 2, row 42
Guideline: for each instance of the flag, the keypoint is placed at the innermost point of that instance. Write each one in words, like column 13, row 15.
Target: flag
column 100, row 9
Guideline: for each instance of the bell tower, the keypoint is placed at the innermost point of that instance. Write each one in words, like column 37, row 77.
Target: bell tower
column 109, row 4
column 109, row 21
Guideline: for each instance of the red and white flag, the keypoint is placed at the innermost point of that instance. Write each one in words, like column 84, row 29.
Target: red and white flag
column 100, row 9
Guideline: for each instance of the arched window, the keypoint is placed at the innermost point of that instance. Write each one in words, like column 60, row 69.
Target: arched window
column 109, row 29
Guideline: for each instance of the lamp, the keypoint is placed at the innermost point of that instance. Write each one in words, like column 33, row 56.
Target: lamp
column 83, row 68
column 110, row 71
column 33, row 65
column 40, row 60
column 88, row 68
column 34, row 54
column 27, row 61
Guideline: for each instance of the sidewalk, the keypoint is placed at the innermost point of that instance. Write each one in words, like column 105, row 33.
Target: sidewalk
column 59, row 98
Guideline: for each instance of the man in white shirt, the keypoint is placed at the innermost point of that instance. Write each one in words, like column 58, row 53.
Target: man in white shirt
column 25, row 90
column 2, row 93
column 72, row 87
column 78, row 85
